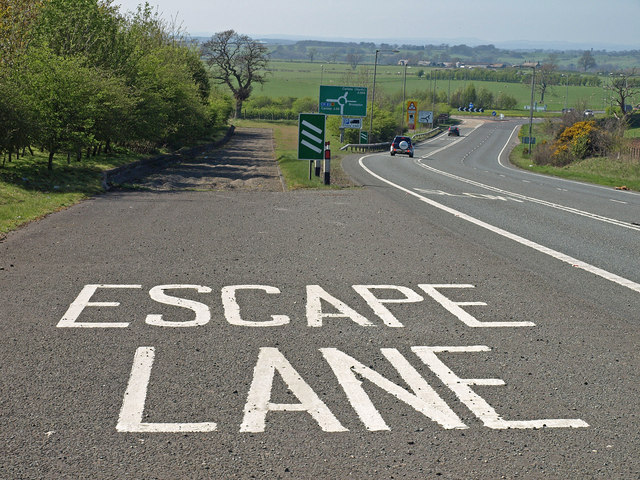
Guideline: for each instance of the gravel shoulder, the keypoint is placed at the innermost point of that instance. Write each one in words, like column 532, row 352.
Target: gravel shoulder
column 246, row 163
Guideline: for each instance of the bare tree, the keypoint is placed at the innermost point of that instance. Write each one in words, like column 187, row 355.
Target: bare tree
column 623, row 86
column 238, row 62
column 545, row 75
column 354, row 59
column 311, row 53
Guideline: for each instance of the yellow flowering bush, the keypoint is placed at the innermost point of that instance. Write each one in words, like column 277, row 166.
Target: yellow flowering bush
column 575, row 142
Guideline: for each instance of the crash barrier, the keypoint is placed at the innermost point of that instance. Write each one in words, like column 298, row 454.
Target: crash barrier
column 378, row 147
column 367, row 147
column 121, row 173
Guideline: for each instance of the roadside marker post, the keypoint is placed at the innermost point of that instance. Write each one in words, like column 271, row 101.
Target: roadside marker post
column 327, row 163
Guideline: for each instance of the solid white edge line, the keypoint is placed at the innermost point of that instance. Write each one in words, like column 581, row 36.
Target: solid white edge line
column 523, row 241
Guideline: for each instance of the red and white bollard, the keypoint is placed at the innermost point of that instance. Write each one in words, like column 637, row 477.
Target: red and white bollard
column 327, row 163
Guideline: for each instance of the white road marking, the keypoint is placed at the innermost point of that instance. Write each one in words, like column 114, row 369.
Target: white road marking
column 232, row 308
column 259, row 398
column 377, row 304
column 136, row 394
column 482, row 196
column 424, row 398
column 350, row 374
column 314, row 308
column 557, row 206
column 474, row 402
column 75, row 309
column 617, row 201
column 203, row 314
column 517, row 195
column 523, row 241
column 315, row 293
column 464, row 317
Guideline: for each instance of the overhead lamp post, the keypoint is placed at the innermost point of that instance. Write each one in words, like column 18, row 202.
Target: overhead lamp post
column 533, row 67
column 404, row 90
column 433, row 99
column 373, row 93
column 566, row 93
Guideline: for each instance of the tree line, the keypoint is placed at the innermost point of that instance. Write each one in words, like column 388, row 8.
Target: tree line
column 345, row 52
column 77, row 75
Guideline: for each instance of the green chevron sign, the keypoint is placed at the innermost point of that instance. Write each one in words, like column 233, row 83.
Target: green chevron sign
column 311, row 128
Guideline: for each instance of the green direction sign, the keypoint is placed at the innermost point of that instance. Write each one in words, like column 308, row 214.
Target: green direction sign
column 311, row 136
column 348, row 101
column 364, row 137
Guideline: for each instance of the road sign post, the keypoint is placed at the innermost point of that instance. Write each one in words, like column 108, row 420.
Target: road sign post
column 425, row 116
column 346, row 101
column 412, row 110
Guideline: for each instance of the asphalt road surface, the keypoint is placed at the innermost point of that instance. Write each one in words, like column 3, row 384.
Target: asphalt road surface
column 375, row 332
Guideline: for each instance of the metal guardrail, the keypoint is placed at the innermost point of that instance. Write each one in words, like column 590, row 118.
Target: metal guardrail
column 377, row 147
column 367, row 147
column 431, row 133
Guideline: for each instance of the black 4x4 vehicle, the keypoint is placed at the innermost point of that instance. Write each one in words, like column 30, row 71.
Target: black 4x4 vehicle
column 401, row 145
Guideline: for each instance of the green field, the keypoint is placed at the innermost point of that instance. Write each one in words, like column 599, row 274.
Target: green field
column 302, row 79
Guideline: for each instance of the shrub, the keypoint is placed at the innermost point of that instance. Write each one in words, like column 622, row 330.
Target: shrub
column 543, row 154
column 574, row 143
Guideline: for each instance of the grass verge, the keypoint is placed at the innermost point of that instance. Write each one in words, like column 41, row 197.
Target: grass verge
column 294, row 171
column 610, row 172
column 28, row 191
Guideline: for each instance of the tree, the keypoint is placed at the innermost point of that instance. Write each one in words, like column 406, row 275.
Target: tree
column 62, row 94
column 505, row 101
column 16, row 21
column 238, row 62
column 469, row 95
column 586, row 61
column 545, row 76
column 484, row 98
column 16, row 119
column 623, row 86
column 311, row 53
column 354, row 59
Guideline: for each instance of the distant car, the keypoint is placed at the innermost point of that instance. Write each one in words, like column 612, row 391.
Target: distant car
column 588, row 113
column 453, row 130
column 401, row 145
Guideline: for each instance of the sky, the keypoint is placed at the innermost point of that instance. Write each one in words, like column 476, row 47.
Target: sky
column 554, row 24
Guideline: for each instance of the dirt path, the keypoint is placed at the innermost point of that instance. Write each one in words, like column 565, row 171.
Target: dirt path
column 246, row 162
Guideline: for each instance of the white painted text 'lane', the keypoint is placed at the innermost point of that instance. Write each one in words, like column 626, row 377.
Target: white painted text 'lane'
column 350, row 374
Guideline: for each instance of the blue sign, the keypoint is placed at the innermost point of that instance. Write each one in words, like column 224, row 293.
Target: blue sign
column 493, row 113
column 470, row 105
